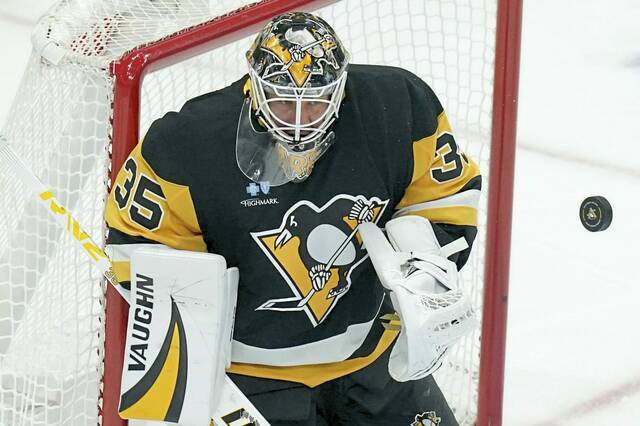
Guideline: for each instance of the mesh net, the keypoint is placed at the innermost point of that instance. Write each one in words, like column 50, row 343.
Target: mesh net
column 51, row 300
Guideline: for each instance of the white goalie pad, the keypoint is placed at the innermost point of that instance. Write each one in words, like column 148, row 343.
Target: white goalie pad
column 434, row 313
column 178, row 336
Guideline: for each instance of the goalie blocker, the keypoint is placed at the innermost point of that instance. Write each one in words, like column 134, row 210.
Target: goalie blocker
column 179, row 341
column 434, row 312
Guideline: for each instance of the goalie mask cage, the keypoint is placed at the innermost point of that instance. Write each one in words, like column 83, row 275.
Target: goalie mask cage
column 102, row 71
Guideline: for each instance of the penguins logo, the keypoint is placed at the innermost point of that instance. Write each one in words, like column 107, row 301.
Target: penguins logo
column 304, row 54
column 316, row 249
column 426, row 419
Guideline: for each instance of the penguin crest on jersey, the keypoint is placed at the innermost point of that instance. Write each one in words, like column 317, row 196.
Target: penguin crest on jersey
column 315, row 250
column 428, row 418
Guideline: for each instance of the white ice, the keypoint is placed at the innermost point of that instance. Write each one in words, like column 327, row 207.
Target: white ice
column 573, row 348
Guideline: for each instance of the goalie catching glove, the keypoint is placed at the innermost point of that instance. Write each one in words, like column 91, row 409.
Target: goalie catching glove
column 433, row 310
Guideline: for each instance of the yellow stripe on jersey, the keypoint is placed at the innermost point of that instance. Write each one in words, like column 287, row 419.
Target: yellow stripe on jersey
column 439, row 169
column 167, row 216
column 314, row 375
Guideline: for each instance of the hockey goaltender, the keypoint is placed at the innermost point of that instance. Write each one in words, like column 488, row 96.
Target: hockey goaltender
column 273, row 192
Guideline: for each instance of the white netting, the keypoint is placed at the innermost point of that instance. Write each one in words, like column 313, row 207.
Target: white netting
column 50, row 298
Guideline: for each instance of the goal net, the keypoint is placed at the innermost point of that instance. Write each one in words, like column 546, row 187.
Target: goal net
column 100, row 73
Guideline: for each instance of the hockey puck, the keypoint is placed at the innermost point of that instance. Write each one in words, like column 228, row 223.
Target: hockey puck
column 596, row 213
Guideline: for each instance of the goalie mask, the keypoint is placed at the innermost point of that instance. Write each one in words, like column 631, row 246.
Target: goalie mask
column 297, row 70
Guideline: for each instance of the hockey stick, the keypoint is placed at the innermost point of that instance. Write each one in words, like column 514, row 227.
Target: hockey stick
column 234, row 402
column 63, row 217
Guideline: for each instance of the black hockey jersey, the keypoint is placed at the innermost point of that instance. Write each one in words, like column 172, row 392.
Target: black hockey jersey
column 394, row 152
